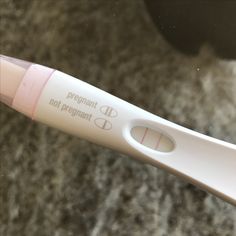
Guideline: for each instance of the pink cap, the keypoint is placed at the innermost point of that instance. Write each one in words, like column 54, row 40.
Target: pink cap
column 21, row 83
column 12, row 72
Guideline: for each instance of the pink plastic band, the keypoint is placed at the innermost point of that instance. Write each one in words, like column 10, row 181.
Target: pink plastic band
column 30, row 89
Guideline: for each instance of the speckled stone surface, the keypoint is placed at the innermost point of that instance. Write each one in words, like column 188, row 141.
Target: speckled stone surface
column 53, row 184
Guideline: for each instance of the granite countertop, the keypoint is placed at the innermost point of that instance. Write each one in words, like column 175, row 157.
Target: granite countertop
column 53, row 184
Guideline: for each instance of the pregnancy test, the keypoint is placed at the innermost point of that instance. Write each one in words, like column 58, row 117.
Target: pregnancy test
column 73, row 106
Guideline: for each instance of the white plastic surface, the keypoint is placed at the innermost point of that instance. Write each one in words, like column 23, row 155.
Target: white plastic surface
column 76, row 107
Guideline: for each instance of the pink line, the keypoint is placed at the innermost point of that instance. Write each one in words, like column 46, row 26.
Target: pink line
column 39, row 94
column 144, row 135
column 158, row 141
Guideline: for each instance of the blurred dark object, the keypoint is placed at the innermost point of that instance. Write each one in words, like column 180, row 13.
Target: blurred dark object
column 188, row 24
